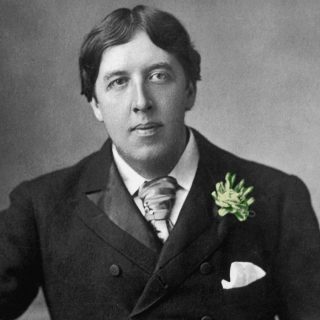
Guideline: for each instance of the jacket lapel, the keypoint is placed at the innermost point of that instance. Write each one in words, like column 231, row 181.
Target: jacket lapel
column 107, row 209
column 117, row 204
column 197, row 234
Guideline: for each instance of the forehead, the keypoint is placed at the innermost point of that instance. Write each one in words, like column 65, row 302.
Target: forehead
column 139, row 52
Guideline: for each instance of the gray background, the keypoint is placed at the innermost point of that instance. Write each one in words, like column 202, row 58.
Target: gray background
column 258, row 98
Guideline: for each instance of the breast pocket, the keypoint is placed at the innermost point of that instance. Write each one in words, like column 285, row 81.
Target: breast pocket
column 253, row 293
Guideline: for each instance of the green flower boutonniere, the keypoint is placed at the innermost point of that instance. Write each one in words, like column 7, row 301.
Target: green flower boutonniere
column 233, row 199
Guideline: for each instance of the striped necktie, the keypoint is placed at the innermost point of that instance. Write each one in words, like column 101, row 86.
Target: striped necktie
column 158, row 197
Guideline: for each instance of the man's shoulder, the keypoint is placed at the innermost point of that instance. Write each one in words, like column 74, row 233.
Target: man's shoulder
column 64, row 182
column 264, row 178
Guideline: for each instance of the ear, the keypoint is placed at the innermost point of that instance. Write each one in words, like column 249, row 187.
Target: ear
column 191, row 96
column 96, row 109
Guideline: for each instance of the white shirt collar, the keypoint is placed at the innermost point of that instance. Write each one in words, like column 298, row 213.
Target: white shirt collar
column 184, row 171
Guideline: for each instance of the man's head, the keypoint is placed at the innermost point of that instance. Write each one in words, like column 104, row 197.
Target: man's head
column 139, row 73
column 164, row 30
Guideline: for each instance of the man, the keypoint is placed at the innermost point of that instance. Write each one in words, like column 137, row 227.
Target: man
column 156, row 225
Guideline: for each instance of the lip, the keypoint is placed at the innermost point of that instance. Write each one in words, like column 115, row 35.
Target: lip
column 147, row 126
column 147, row 129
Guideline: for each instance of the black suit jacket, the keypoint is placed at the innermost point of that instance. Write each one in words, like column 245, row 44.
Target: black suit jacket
column 78, row 234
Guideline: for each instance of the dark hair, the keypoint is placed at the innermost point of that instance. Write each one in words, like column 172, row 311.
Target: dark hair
column 164, row 30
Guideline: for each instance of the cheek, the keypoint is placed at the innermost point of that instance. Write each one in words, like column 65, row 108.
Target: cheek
column 176, row 107
column 114, row 119
column 172, row 101
column 114, row 110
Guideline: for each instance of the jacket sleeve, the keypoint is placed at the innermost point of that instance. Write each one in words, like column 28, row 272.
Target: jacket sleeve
column 297, row 260
column 20, row 273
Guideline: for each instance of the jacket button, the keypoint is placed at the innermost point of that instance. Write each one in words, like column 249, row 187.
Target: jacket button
column 206, row 268
column 115, row 270
column 206, row 318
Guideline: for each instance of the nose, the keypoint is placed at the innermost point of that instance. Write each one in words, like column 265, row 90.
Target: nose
column 141, row 101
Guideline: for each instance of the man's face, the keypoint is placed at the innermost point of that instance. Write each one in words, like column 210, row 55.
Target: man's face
column 141, row 96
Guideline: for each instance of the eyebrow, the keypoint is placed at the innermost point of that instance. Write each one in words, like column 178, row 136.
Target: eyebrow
column 159, row 65
column 109, row 75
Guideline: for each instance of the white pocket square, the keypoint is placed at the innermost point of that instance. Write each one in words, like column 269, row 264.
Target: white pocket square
column 242, row 274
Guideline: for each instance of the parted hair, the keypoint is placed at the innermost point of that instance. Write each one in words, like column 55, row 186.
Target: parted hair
column 118, row 27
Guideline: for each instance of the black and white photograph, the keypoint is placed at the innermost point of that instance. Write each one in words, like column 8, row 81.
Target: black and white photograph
column 160, row 160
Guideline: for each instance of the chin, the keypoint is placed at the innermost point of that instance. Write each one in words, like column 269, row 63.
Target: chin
column 148, row 154
column 149, row 157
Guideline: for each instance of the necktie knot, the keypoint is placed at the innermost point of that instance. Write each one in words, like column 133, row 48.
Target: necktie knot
column 158, row 197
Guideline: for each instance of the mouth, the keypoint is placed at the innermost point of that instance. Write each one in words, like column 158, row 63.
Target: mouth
column 147, row 129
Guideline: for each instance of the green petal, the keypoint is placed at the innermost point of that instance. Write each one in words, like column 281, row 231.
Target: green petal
column 239, row 186
column 228, row 176
column 227, row 185
column 222, row 204
column 220, row 187
column 241, row 216
column 250, row 201
column 222, row 212
column 233, row 210
column 247, row 191
column 233, row 179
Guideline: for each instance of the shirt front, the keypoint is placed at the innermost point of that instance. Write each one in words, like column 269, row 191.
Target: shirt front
column 184, row 172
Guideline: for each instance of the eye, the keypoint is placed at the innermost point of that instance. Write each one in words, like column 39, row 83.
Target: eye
column 117, row 83
column 159, row 77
